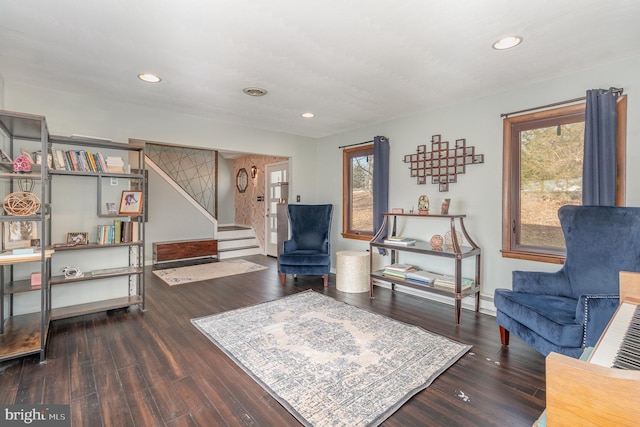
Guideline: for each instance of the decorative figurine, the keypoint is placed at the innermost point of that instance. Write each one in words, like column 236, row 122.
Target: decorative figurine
column 445, row 207
column 423, row 205
column 22, row 165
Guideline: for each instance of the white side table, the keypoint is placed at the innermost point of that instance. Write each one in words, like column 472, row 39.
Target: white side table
column 352, row 271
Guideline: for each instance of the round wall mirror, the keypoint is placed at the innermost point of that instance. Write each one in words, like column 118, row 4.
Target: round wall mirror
column 242, row 178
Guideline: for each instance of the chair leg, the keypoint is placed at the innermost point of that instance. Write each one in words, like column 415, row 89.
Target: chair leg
column 325, row 279
column 283, row 278
column 504, row 336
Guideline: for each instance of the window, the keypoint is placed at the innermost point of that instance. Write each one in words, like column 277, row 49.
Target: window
column 357, row 192
column 542, row 171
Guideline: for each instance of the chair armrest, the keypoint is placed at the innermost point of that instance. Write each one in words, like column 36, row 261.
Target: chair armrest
column 594, row 312
column 538, row 282
column 289, row 246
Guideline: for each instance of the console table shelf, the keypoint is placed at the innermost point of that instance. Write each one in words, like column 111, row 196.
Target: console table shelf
column 454, row 251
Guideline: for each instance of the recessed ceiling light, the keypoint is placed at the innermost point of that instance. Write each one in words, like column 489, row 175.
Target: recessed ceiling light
column 254, row 91
column 307, row 115
column 507, row 42
column 149, row 78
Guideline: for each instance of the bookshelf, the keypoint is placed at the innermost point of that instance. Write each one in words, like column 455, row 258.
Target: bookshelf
column 23, row 331
column 455, row 251
column 82, row 160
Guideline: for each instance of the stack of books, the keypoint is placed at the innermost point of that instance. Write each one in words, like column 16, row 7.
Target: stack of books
column 115, row 164
column 399, row 240
column 422, row 277
column 449, row 282
column 398, row 270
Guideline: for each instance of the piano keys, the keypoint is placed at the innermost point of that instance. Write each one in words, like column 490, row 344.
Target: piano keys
column 594, row 392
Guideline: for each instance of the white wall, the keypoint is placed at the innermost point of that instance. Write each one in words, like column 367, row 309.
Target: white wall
column 70, row 113
column 478, row 192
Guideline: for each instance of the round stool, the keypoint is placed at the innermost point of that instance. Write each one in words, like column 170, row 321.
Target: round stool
column 352, row 271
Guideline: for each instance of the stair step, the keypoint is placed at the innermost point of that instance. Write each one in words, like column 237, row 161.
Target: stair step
column 232, row 239
column 233, row 228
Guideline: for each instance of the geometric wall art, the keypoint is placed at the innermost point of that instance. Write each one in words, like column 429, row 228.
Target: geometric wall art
column 442, row 164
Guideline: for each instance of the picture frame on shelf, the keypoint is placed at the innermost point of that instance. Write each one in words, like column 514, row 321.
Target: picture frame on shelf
column 112, row 209
column 130, row 202
column 18, row 234
column 78, row 238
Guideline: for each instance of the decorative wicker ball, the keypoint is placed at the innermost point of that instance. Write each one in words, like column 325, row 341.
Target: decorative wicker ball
column 436, row 242
column 448, row 240
column 21, row 203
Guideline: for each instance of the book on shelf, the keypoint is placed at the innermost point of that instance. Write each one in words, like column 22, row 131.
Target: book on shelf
column 400, row 267
column 398, row 270
column 405, row 241
column 421, row 276
column 449, row 281
column 114, row 164
column 429, row 278
column 396, row 274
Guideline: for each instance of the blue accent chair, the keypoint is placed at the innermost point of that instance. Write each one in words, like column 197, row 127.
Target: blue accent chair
column 567, row 310
column 307, row 251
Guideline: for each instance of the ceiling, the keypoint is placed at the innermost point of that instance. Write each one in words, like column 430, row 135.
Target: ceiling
column 351, row 62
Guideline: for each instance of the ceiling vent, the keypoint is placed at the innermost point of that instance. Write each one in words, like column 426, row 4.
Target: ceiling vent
column 254, row 91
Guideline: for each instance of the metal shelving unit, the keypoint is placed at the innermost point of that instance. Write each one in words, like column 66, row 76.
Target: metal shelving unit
column 25, row 333
column 134, row 270
column 455, row 251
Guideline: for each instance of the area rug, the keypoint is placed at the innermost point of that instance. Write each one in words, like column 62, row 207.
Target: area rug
column 330, row 363
column 213, row 270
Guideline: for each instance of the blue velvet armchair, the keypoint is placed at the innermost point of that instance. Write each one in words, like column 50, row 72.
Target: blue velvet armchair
column 568, row 310
column 307, row 251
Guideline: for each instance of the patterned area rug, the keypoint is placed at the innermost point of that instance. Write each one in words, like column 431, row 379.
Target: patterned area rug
column 213, row 270
column 329, row 363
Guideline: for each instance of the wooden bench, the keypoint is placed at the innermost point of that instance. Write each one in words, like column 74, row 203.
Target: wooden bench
column 184, row 249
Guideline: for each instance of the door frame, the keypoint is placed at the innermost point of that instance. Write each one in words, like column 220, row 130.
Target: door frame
column 267, row 201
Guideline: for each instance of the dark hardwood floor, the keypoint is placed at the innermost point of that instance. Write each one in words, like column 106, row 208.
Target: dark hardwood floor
column 153, row 368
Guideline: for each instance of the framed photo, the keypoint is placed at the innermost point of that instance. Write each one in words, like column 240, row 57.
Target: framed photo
column 130, row 203
column 78, row 238
column 111, row 208
column 18, row 234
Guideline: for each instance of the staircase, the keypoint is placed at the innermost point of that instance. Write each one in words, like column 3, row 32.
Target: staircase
column 236, row 241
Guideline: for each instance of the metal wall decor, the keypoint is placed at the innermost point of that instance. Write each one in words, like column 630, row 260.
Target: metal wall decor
column 442, row 164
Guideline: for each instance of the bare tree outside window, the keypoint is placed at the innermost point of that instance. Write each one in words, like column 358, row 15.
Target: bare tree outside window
column 550, row 177
column 358, row 164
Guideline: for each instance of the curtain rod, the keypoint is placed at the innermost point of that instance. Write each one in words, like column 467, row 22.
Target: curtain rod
column 555, row 104
column 359, row 143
